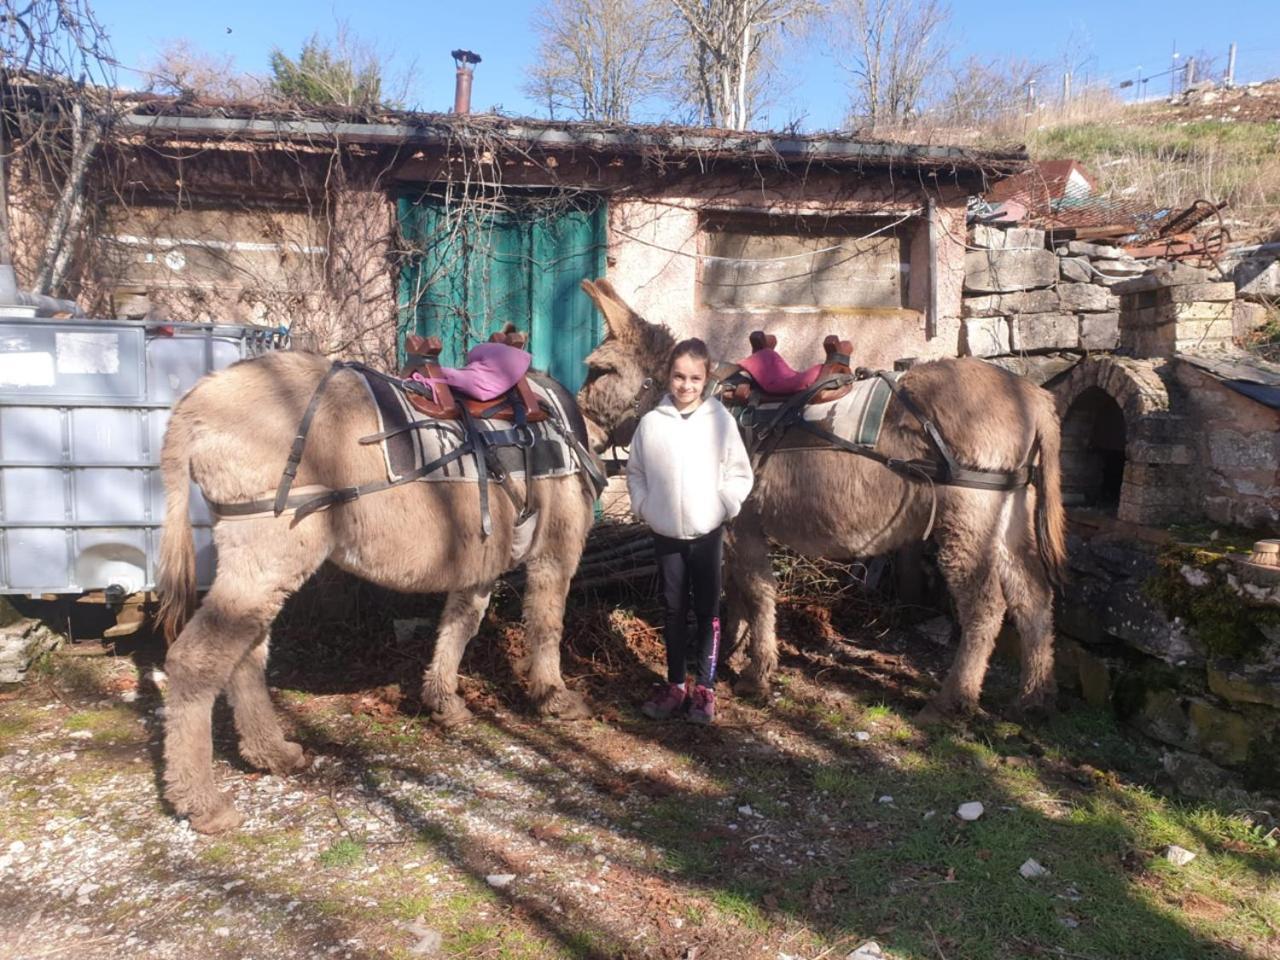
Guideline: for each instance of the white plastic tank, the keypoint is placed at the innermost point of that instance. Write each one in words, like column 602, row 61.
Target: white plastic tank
column 83, row 408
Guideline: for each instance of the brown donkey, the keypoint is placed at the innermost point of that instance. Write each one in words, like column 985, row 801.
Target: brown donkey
column 231, row 435
column 824, row 502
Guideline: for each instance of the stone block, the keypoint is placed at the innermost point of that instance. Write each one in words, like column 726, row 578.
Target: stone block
column 1002, row 304
column 1083, row 296
column 1128, row 614
column 1223, row 735
column 1201, row 293
column 22, row 643
column 1144, row 451
column 1201, row 310
column 1246, row 317
column 1079, row 668
column 1014, row 238
column 1044, row 331
column 1258, row 277
column 1076, row 269
column 1038, row 369
column 1099, row 331
column 1120, row 267
column 1240, row 682
column 986, row 337
column 1005, row 271
column 1231, row 451
column 1079, row 248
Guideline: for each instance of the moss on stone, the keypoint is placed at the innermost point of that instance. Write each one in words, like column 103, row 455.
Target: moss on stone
column 1221, row 619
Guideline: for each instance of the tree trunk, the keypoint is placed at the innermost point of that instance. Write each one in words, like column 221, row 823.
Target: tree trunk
column 69, row 211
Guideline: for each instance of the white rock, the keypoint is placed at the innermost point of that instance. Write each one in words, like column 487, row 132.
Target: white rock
column 746, row 810
column 1032, row 869
column 222, row 932
column 970, row 811
column 500, row 880
column 886, row 799
column 129, row 696
column 429, row 941
column 87, row 888
column 80, row 735
column 868, row 951
column 862, row 736
column 17, row 846
column 1178, row 856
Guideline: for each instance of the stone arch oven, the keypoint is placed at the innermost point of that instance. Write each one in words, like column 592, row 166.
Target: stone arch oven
column 1123, row 439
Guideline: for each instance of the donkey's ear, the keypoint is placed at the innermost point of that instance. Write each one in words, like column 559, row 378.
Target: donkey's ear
column 623, row 322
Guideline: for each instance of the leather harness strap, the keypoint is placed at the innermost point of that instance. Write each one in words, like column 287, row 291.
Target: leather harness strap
column 948, row 472
column 478, row 443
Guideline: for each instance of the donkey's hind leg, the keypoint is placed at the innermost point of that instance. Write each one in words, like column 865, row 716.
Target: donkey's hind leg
column 968, row 555
column 255, row 576
column 262, row 742
column 546, row 587
column 1030, row 598
column 459, row 622
column 751, row 573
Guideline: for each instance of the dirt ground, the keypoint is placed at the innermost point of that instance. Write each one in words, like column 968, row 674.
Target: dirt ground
column 798, row 828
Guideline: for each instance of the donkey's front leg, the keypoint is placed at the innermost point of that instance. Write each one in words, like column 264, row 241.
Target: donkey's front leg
column 751, row 573
column 459, row 622
column 547, row 585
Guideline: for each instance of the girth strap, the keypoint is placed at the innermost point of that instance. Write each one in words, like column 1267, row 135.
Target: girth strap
column 950, row 472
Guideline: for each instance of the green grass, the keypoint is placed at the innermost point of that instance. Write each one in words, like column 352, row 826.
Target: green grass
column 1169, row 164
column 343, row 853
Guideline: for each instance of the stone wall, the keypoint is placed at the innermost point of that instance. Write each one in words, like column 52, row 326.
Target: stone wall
column 1021, row 297
column 655, row 244
column 1183, row 644
column 1236, row 442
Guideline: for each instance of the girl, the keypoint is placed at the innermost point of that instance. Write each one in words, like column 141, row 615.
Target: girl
column 688, row 474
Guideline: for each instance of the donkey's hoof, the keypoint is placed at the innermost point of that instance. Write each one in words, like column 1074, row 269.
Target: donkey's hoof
column 290, row 758
column 931, row 716
column 452, row 713
column 281, row 758
column 564, row 704
column 219, row 820
column 1034, row 709
column 749, row 686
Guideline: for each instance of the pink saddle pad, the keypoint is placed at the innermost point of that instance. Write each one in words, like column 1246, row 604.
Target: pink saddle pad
column 491, row 370
column 774, row 375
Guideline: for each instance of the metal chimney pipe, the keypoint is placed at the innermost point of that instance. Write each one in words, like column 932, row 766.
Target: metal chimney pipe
column 465, row 61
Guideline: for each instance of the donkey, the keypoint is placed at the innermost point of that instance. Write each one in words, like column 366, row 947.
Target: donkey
column 230, row 434
column 998, row 551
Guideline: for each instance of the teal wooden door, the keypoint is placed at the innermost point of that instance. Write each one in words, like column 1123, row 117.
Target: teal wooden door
column 471, row 272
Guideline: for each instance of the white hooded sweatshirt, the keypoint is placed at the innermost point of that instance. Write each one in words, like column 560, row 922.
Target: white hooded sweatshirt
column 687, row 475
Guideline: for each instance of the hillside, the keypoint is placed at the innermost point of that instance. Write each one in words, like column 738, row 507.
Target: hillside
column 1214, row 145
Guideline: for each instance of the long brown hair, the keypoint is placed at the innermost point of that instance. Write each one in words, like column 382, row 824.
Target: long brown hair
column 693, row 347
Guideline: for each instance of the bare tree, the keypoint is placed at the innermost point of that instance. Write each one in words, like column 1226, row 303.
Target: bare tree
column 986, row 93
column 892, row 49
column 729, row 37
column 56, row 106
column 181, row 67
column 597, row 59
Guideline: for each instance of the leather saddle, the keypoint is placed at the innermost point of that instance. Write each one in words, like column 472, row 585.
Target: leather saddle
column 424, row 358
column 768, row 378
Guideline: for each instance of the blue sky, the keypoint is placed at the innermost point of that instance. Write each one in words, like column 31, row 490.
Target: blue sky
column 1113, row 39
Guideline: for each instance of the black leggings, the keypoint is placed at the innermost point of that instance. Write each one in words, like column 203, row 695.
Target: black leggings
column 690, row 569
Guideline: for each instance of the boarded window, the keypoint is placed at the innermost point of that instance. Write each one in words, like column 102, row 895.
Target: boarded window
column 803, row 261
column 231, row 264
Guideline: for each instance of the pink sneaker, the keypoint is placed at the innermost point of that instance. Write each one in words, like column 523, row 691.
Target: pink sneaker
column 666, row 700
column 702, row 705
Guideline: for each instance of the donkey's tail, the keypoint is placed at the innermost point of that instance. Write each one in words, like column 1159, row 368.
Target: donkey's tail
column 1051, row 519
column 176, row 570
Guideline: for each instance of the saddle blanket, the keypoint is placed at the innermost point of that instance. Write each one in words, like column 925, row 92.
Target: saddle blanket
column 417, row 439
column 856, row 417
